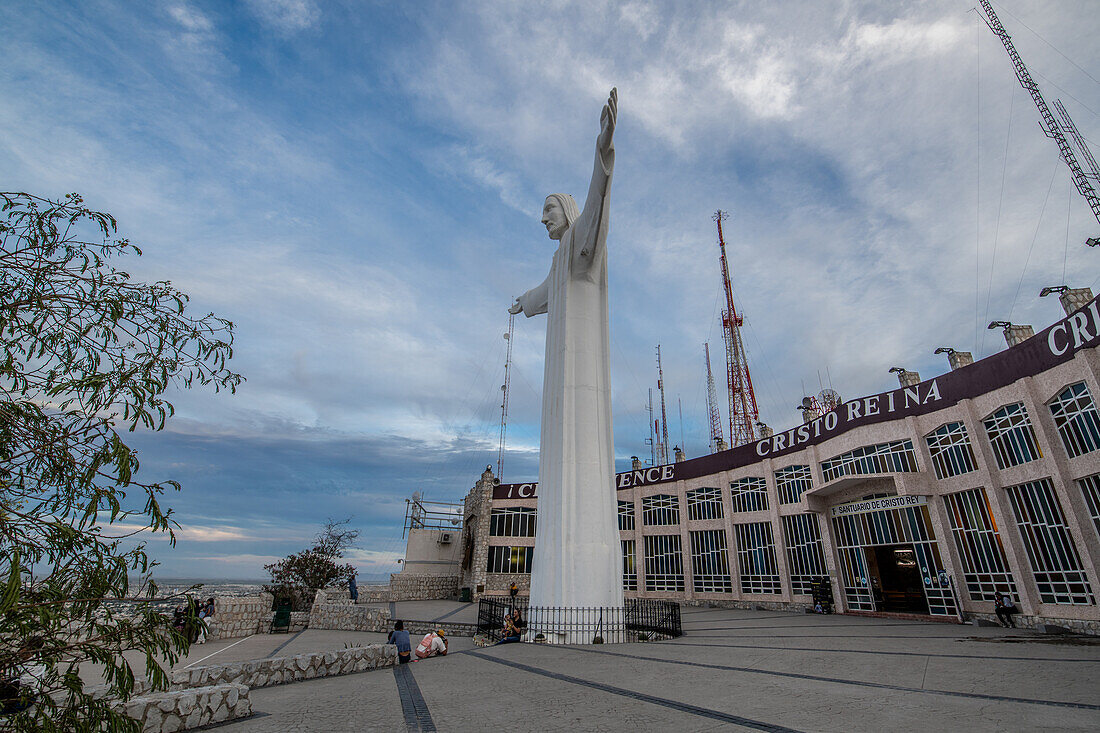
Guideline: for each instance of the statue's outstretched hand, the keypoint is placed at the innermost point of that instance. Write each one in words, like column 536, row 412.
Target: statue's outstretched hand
column 516, row 308
column 607, row 122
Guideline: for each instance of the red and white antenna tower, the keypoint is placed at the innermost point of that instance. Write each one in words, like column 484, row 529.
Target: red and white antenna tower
column 743, row 410
column 717, row 442
column 662, row 446
column 504, row 401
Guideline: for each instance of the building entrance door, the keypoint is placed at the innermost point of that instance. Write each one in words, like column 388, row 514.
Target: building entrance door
column 890, row 560
column 896, row 579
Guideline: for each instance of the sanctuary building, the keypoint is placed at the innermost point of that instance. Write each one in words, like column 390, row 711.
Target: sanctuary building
column 927, row 499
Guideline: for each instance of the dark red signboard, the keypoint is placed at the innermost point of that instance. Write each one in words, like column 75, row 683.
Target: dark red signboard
column 1045, row 350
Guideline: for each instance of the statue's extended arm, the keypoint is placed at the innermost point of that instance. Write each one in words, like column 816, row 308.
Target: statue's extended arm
column 534, row 302
column 592, row 224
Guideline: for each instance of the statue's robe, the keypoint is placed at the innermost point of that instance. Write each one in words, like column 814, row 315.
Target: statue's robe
column 578, row 556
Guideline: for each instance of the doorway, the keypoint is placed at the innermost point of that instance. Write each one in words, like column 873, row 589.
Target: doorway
column 896, row 581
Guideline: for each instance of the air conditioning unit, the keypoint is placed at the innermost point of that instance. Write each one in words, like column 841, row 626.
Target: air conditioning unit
column 445, row 538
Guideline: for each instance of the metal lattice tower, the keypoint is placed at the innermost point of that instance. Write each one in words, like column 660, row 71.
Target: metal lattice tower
column 1082, row 147
column 504, row 401
column 662, row 446
column 1049, row 125
column 743, row 410
column 712, row 406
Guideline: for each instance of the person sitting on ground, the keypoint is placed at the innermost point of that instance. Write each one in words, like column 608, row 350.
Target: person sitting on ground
column 513, row 628
column 400, row 638
column 1005, row 607
column 434, row 644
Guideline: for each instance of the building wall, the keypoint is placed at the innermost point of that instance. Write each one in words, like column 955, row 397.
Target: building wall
column 427, row 554
column 1035, row 389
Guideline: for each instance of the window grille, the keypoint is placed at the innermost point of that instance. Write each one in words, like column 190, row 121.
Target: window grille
column 896, row 457
column 984, row 565
column 710, row 565
column 630, row 570
column 1059, row 575
column 1077, row 420
column 626, row 515
column 1090, row 486
column 805, row 554
column 503, row 559
column 952, row 454
column 791, row 482
column 1011, row 435
column 705, row 503
column 749, row 494
column 659, row 510
column 512, row 522
column 664, row 563
column 756, row 558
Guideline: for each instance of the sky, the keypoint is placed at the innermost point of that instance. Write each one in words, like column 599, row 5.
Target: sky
column 358, row 187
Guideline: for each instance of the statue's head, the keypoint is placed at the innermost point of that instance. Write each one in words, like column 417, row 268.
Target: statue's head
column 558, row 214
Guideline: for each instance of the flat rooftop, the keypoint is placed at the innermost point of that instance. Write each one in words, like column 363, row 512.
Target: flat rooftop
column 732, row 670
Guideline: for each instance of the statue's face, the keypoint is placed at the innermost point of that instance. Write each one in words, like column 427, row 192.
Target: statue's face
column 553, row 218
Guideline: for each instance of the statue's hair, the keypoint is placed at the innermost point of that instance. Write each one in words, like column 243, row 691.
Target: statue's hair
column 568, row 205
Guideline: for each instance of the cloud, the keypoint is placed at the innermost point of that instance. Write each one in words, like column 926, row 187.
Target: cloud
column 287, row 16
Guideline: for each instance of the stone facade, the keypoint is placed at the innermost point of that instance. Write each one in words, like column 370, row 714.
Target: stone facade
column 500, row 584
column 409, row 587
column 753, row 605
column 282, row 670
column 240, row 616
column 164, row 712
column 475, row 534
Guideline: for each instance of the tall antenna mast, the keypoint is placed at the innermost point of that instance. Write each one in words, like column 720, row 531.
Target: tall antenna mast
column 1048, row 125
column 505, row 388
column 743, row 410
column 653, row 432
column 717, row 443
column 662, row 451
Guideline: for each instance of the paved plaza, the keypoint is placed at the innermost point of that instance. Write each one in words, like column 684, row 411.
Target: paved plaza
column 732, row 670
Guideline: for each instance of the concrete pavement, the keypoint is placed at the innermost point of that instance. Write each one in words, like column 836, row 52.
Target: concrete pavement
column 733, row 670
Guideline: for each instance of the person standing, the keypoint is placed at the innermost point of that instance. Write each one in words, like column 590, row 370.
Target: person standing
column 513, row 590
column 434, row 644
column 400, row 638
column 353, row 589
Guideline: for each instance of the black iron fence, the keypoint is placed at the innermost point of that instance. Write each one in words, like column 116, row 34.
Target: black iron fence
column 637, row 620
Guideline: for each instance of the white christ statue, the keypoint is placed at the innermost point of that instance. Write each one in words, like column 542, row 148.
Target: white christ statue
column 578, row 558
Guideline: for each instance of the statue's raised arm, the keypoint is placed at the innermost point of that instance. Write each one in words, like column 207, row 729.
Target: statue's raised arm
column 588, row 248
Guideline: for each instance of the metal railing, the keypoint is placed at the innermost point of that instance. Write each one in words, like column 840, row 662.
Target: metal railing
column 637, row 620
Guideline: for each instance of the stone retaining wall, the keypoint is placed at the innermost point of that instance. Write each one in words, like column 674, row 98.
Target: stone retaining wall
column 281, row 670
column 374, row 594
column 419, row 587
column 339, row 613
column 299, row 621
column 1077, row 626
column 164, row 712
column 240, row 616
